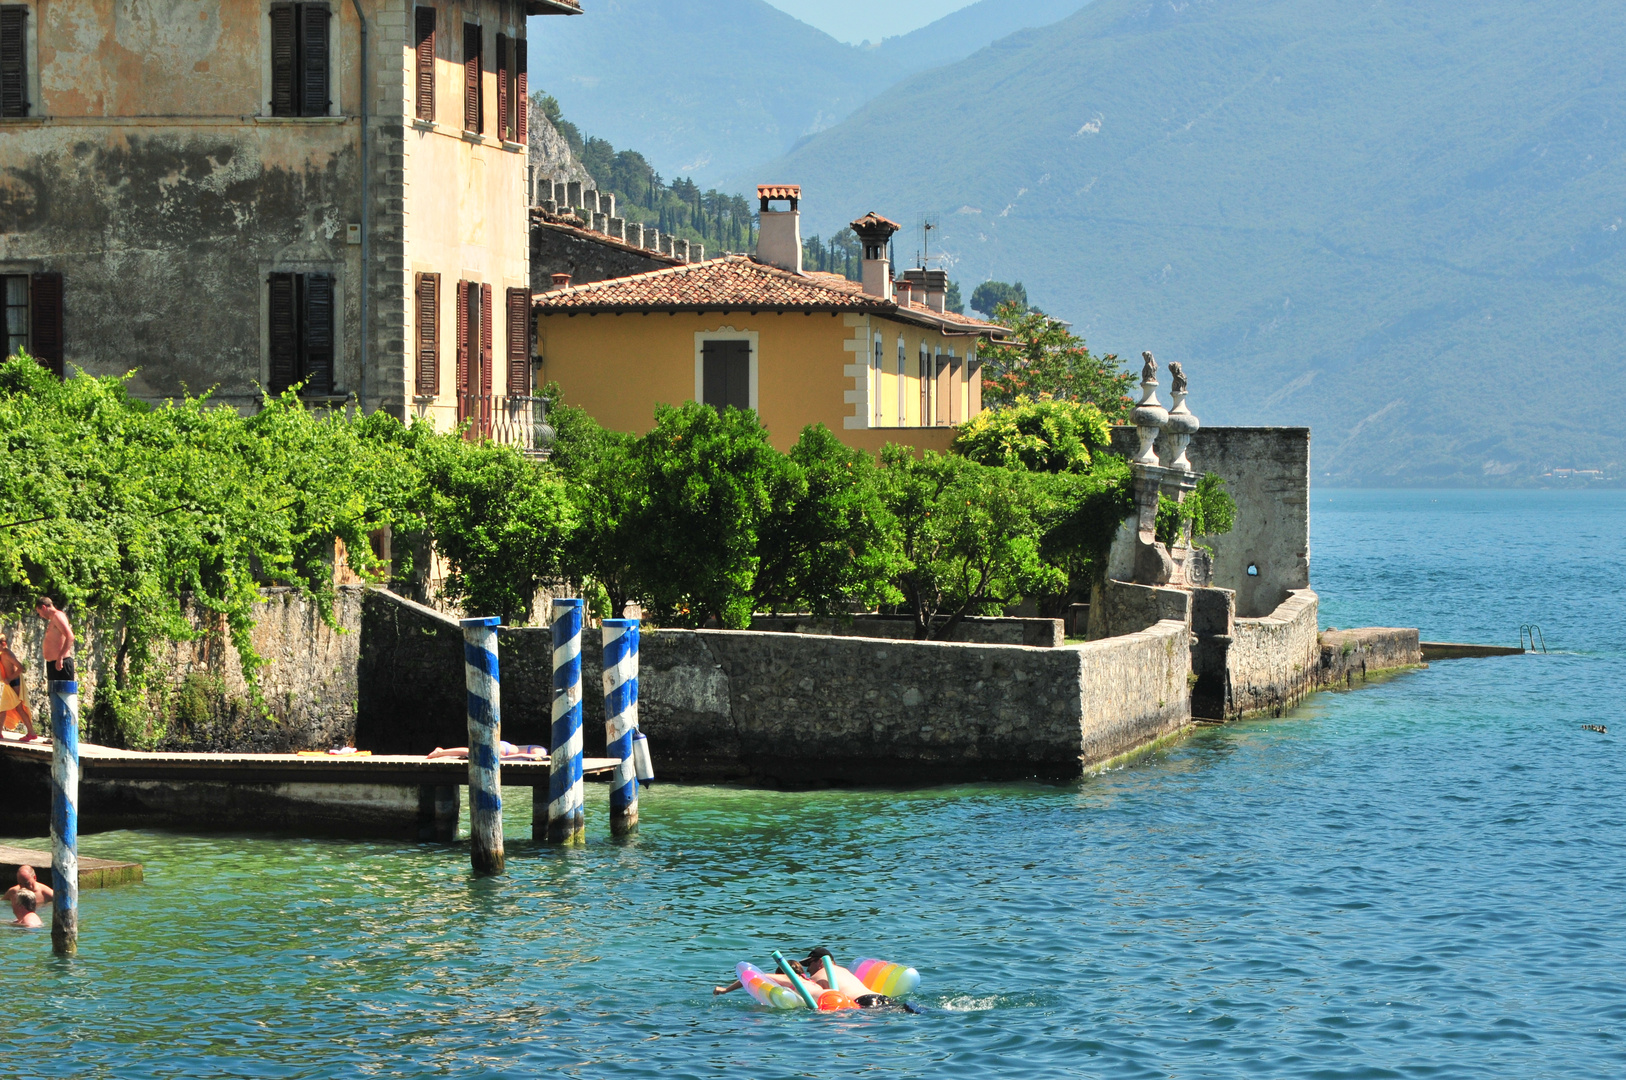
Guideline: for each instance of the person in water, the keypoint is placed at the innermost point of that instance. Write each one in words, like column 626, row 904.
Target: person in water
column 812, row 969
column 772, row 976
column 24, row 905
column 27, row 881
column 508, row 750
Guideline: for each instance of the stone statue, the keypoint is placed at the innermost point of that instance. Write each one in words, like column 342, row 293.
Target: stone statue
column 1148, row 371
column 1179, row 377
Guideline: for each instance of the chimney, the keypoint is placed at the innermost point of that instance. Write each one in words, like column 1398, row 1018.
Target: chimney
column 779, row 237
column 874, row 232
column 906, row 289
column 936, row 289
column 561, row 281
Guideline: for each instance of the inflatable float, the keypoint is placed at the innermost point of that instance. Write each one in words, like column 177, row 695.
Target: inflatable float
column 879, row 976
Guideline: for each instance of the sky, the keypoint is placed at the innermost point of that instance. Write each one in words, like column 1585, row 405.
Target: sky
column 859, row 20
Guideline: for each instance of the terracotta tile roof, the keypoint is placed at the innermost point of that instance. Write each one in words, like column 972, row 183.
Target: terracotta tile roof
column 779, row 191
column 741, row 283
column 872, row 220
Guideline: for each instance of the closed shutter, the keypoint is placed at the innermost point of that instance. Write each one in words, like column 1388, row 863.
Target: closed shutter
column 45, row 321
column 471, row 77
column 284, row 96
column 940, row 391
column 519, row 342
column 462, row 348
column 284, row 332
column 973, row 388
column 313, row 74
column 428, row 334
column 426, row 63
column 725, row 377
column 503, row 99
column 318, row 373
column 521, row 104
column 485, row 341
column 13, row 60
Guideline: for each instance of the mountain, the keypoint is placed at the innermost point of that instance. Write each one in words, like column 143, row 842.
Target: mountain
column 1399, row 221
column 708, row 88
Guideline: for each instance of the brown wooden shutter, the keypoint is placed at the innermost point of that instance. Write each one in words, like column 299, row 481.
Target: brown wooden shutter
column 313, row 88
column 45, row 321
column 284, row 96
column 503, row 99
column 485, row 341
column 284, row 333
column 428, row 334
column 13, row 60
column 462, row 345
column 471, row 77
column 519, row 342
column 521, row 103
column 318, row 373
column 426, row 63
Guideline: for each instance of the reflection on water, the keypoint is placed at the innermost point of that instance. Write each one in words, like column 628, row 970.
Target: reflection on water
column 1420, row 878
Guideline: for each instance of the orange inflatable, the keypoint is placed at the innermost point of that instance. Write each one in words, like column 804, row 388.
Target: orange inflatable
column 831, row 1000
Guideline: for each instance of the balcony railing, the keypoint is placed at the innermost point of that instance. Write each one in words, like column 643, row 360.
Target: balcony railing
column 520, row 421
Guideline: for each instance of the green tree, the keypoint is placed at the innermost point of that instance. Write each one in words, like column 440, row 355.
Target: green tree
column 952, row 300
column 988, row 297
column 1208, row 508
column 1044, row 357
column 970, row 536
column 607, row 490
column 1046, row 435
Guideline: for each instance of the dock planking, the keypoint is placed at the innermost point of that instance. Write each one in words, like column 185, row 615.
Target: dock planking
column 93, row 873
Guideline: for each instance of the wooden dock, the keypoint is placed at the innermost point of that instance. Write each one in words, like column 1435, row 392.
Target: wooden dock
column 105, row 762
column 1452, row 650
column 93, row 873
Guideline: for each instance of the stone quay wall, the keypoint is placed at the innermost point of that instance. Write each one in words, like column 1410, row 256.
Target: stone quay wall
column 199, row 698
column 796, row 709
column 977, row 629
column 1274, row 661
column 1351, row 656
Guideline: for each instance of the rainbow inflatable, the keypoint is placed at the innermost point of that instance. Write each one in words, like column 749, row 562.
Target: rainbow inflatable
column 893, row 980
column 764, row 989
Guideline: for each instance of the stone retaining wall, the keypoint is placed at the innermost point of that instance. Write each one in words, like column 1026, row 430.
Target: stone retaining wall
column 797, row 709
column 981, row 630
column 1348, row 656
column 1274, row 661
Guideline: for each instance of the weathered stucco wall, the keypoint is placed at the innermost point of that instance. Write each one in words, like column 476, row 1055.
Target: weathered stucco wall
column 797, row 709
column 1267, row 472
column 1274, row 661
column 586, row 257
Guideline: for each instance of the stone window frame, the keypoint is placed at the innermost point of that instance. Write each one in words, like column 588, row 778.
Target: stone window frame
column 31, row 58
column 335, row 63
column 724, row 333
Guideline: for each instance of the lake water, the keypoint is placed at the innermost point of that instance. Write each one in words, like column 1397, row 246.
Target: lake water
column 1423, row 878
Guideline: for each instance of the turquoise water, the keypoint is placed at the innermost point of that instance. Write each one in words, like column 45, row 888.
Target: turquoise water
column 1419, row 878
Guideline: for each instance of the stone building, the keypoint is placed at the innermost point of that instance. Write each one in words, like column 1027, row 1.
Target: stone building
column 878, row 361
column 263, row 193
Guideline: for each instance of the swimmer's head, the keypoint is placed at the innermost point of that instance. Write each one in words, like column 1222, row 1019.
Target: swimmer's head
column 25, row 876
column 816, row 955
column 26, row 902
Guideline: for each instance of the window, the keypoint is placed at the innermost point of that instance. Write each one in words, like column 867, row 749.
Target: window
column 299, row 60
column 511, row 89
column 902, row 413
column 474, row 114
column 925, row 388
column 31, row 318
column 428, row 289
column 424, row 38
column 727, row 376
column 474, row 355
column 519, row 342
column 301, row 332
column 940, row 389
column 876, row 395
column 13, row 60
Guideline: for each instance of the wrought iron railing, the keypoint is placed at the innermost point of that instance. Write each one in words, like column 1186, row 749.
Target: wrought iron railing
column 520, row 421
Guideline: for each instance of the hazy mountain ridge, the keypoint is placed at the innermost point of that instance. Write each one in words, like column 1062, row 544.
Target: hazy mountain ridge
column 710, row 88
column 1398, row 223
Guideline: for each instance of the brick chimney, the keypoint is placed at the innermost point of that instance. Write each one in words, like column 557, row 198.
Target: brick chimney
column 874, row 232
column 561, row 281
column 779, row 239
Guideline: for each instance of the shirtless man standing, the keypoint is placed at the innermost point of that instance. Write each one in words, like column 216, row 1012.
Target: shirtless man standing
column 28, row 882
column 58, row 641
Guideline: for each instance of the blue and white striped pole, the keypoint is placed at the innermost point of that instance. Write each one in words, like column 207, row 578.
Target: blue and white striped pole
column 484, row 685
column 65, row 817
column 567, row 821
column 621, row 719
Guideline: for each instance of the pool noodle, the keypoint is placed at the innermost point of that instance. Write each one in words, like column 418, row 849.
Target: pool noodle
column 830, row 972
column 801, row 990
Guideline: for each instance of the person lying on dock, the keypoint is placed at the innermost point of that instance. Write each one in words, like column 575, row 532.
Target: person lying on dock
column 508, row 750
column 28, row 882
column 25, row 907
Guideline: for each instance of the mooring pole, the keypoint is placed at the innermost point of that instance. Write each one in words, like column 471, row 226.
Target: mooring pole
column 621, row 719
column 567, row 823
column 485, row 734
column 65, row 817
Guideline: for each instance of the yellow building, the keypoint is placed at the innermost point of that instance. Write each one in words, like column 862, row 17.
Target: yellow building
column 869, row 360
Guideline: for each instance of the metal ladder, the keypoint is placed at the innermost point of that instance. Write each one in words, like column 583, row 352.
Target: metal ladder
column 1531, row 632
